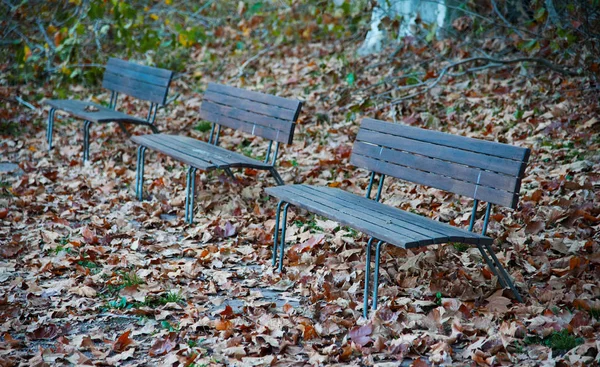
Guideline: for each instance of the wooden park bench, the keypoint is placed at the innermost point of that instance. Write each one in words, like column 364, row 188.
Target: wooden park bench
column 479, row 169
column 143, row 82
column 270, row 117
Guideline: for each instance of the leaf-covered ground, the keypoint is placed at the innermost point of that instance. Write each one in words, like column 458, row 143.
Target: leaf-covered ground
column 90, row 275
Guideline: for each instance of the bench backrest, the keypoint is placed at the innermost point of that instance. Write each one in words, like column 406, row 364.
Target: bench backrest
column 259, row 114
column 479, row 169
column 143, row 82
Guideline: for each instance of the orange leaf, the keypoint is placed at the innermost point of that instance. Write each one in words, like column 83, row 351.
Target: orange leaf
column 223, row 325
column 163, row 346
column 123, row 342
column 3, row 213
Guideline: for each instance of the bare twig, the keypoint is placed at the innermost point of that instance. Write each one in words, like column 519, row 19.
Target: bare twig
column 514, row 29
column 24, row 103
column 45, row 34
column 253, row 58
column 492, row 61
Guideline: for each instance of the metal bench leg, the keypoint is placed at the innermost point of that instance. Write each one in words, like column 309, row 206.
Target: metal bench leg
column 491, row 265
column 376, row 276
column 503, row 274
column 367, row 276
column 276, row 234
column 154, row 129
column 190, row 195
column 50, row 127
column 139, row 181
column 277, row 177
column 283, row 227
column 86, row 140
column 229, row 173
column 124, row 129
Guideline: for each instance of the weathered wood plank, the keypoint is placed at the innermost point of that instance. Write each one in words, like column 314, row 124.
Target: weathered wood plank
column 265, row 98
column 135, row 89
column 138, row 77
column 77, row 109
column 256, row 130
column 114, row 63
column 139, row 81
column 433, row 230
column 459, row 234
column 353, row 204
column 440, row 138
column 437, row 166
column 456, row 155
column 302, row 201
column 484, row 193
column 249, row 117
column 161, row 146
column 232, row 159
column 248, row 105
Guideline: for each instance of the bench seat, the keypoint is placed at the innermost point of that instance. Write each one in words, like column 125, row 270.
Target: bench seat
column 389, row 224
column 197, row 153
column 104, row 114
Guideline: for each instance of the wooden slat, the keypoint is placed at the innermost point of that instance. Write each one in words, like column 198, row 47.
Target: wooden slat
column 114, row 63
column 139, row 76
column 248, row 105
column 354, row 203
column 257, row 130
column 469, row 158
column 284, row 127
column 197, row 153
column 146, row 92
column 248, row 116
column 163, row 147
column 139, row 81
column 450, row 140
column 260, row 114
column 267, row 99
column 328, row 210
column 232, row 159
column 103, row 115
column 441, row 182
column 384, row 222
column 437, row 166
column 340, row 197
column 457, row 234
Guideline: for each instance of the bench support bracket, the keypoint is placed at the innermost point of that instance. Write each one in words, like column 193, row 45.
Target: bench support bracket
column 139, row 180
column 276, row 235
column 488, row 254
column 50, row 127
column 367, row 278
column 376, row 275
column 86, row 140
column 277, row 177
column 190, row 193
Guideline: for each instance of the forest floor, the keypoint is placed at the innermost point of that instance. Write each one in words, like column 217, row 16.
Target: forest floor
column 90, row 275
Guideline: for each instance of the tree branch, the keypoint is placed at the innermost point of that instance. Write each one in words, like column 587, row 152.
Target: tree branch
column 514, row 29
column 492, row 62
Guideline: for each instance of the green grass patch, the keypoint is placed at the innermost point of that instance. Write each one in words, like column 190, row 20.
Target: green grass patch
column 559, row 341
column 311, row 224
column 10, row 128
column 594, row 312
column 460, row 247
column 131, row 279
column 203, row 126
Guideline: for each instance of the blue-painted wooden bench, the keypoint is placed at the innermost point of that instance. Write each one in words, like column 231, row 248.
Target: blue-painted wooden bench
column 483, row 170
column 270, row 117
column 143, row 82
